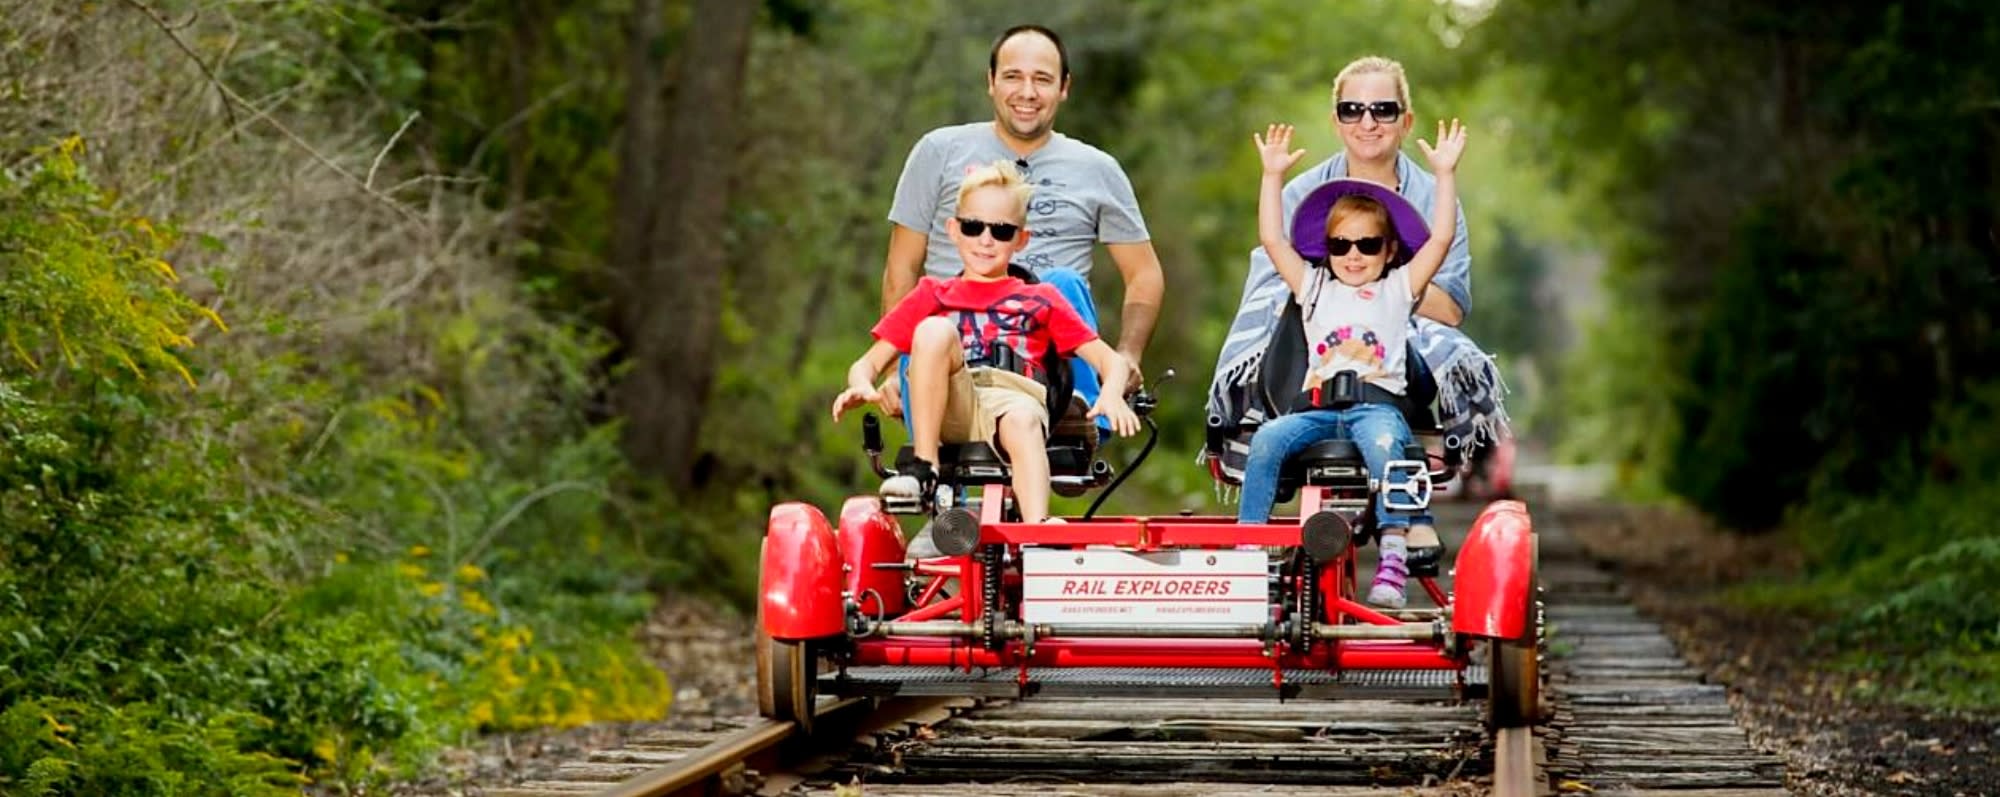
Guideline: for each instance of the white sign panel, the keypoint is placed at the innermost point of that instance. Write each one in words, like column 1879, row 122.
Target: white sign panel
column 1187, row 587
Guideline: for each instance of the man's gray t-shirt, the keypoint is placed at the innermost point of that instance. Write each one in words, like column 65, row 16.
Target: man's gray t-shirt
column 1081, row 197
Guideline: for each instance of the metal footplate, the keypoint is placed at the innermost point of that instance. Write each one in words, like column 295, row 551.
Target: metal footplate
column 1148, row 682
column 1406, row 485
column 941, row 500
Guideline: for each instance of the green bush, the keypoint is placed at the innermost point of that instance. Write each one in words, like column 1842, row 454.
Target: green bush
column 56, row 747
column 1906, row 576
column 259, row 587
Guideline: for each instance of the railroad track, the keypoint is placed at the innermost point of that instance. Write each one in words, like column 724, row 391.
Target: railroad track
column 1625, row 715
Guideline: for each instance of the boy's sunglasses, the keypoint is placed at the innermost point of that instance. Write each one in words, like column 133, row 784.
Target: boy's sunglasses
column 1371, row 245
column 1385, row 111
column 1002, row 231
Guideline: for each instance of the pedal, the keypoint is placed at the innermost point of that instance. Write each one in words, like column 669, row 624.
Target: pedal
column 1406, row 485
column 1424, row 562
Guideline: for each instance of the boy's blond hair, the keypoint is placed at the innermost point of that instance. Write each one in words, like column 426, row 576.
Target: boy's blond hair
column 1003, row 175
column 1371, row 65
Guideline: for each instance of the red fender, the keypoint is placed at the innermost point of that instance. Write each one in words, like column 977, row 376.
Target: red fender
column 1494, row 572
column 798, row 581
column 869, row 535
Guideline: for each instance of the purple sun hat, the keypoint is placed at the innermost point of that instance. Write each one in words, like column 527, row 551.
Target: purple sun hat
column 1309, row 221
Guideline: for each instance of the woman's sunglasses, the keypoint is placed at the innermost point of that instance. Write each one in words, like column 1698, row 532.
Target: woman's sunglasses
column 1370, row 246
column 1384, row 111
column 1002, row 231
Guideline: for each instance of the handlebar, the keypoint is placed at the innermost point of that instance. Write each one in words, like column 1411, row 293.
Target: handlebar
column 1143, row 404
column 871, row 444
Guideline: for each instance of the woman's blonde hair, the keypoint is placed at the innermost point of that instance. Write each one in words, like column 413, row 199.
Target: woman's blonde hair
column 1374, row 65
column 1002, row 175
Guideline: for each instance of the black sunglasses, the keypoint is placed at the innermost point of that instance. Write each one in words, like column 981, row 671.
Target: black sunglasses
column 1002, row 231
column 1371, row 245
column 1384, row 111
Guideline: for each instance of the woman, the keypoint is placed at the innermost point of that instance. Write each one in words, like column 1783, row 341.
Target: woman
column 1372, row 114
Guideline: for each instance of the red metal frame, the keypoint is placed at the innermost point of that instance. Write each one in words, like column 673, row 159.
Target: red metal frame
column 1219, row 653
column 798, row 602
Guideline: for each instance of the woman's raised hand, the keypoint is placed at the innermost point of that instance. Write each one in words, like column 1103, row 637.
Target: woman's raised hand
column 1451, row 144
column 1274, row 146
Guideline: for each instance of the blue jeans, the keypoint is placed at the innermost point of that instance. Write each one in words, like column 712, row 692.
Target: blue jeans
column 1377, row 429
column 1076, row 288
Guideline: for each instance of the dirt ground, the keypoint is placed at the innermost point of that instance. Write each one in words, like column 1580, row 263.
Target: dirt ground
column 1833, row 742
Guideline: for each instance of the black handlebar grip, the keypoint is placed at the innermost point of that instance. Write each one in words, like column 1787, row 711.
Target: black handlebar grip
column 1144, row 402
column 871, row 434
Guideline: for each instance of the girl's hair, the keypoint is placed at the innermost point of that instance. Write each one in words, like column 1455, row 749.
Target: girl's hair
column 1375, row 65
column 1360, row 205
column 999, row 174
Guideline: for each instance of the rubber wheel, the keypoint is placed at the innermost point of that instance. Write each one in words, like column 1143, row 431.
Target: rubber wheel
column 1514, row 671
column 794, row 676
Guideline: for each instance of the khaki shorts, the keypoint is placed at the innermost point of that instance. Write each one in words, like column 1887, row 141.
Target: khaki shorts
column 980, row 396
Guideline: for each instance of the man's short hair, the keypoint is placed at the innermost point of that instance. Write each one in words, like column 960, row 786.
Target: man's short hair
column 1062, row 53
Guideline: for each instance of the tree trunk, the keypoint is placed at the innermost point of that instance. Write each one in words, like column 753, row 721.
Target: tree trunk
column 674, row 311
column 633, row 188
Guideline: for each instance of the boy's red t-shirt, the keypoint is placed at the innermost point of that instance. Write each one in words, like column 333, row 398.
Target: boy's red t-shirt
column 1029, row 318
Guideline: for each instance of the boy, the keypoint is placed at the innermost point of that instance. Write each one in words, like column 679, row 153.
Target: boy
column 976, row 344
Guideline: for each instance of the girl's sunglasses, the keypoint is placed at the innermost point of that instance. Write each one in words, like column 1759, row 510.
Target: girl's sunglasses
column 1370, row 246
column 1002, row 231
column 1384, row 111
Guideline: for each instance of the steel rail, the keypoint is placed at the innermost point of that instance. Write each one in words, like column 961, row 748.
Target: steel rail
column 1515, row 770
column 764, row 744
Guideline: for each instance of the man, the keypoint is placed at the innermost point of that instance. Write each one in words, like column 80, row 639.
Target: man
column 1081, row 197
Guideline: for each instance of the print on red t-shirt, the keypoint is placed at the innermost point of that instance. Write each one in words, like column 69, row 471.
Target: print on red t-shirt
column 1003, row 313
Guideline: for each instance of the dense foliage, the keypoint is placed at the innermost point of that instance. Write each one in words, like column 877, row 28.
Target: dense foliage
column 277, row 507
column 1801, row 212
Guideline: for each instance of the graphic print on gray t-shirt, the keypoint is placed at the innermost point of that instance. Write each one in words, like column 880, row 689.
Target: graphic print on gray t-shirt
column 1082, row 197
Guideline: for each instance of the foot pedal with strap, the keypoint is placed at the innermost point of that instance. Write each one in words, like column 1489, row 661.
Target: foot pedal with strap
column 912, row 491
column 1425, row 560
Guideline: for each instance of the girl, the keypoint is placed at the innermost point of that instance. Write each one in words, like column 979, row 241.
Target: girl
column 1371, row 258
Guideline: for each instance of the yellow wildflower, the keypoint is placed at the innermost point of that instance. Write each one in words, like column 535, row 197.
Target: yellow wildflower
column 475, row 602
